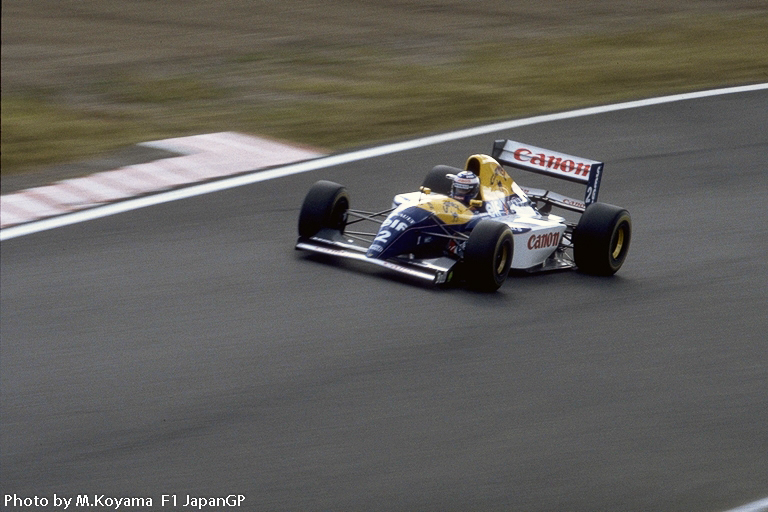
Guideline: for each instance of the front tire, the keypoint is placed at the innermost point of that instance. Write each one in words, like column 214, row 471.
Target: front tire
column 488, row 256
column 601, row 239
column 325, row 206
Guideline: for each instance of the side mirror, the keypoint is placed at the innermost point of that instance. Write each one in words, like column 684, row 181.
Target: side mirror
column 426, row 190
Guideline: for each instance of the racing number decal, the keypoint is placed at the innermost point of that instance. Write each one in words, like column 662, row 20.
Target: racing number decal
column 383, row 236
column 593, row 186
column 384, row 233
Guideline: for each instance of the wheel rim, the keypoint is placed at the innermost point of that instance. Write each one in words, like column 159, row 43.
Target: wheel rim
column 618, row 243
column 501, row 259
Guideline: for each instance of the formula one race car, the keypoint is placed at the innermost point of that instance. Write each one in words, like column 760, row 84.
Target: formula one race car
column 473, row 225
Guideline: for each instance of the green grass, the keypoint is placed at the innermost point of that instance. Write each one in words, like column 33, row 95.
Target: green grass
column 126, row 88
column 36, row 132
column 340, row 97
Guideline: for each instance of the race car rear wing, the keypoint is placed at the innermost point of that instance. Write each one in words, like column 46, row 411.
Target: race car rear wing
column 551, row 163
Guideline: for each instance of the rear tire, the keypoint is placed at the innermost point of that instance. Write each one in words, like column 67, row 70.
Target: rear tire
column 325, row 206
column 436, row 180
column 601, row 239
column 488, row 256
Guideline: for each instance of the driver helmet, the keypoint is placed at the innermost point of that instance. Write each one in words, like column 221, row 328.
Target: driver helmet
column 465, row 186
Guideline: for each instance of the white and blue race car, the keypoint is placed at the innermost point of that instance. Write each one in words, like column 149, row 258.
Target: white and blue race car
column 432, row 235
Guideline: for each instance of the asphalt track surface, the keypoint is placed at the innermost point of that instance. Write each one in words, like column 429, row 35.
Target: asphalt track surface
column 187, row 348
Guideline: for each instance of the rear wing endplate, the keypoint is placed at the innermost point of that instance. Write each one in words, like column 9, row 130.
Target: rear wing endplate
column 551, row 163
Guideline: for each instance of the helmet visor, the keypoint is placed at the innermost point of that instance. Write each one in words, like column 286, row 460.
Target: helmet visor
column 465, row 189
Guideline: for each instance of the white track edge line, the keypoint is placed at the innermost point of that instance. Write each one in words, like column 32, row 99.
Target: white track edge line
column 354, row 156
column 755, row 506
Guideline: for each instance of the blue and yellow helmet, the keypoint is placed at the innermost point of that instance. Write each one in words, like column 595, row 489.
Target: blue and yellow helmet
column 465, row 186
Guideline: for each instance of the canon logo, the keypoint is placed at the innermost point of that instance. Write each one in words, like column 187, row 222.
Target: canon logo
column 543, row 241
column 551, row 162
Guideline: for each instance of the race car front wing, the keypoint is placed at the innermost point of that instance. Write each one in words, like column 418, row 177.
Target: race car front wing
column 334, row 243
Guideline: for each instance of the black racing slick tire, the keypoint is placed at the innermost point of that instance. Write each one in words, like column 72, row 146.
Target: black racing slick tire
column 325, row 206
column 436, row 180
column 601, row 239
column 488, row 256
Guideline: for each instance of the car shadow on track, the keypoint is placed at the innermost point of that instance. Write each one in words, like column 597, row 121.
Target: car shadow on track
column 361, row 268
column 545, row 283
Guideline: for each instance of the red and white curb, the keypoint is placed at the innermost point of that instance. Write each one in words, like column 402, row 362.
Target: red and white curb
column 202, row 157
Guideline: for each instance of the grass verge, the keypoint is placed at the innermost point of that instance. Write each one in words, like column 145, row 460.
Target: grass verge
column 340, row 97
